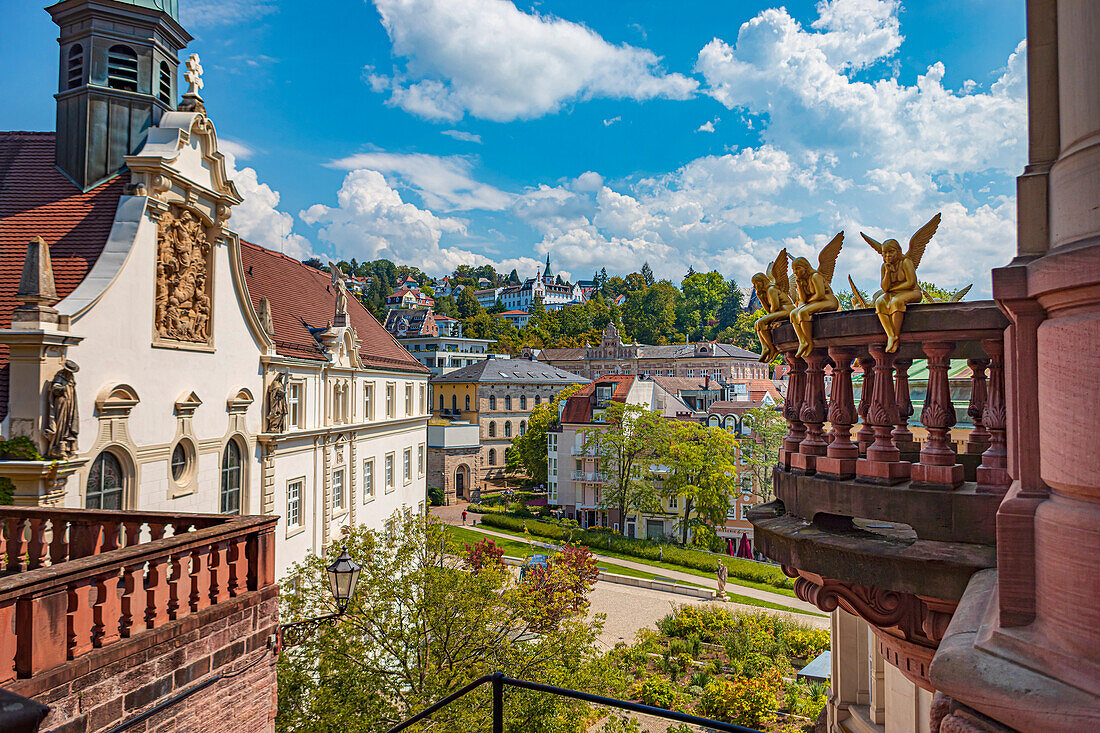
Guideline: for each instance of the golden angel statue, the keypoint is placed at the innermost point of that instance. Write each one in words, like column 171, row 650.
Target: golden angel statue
column 899, row 279
column 773, row 288
column 815, row 293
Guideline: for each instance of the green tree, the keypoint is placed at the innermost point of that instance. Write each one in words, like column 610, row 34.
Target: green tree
column 496, row 308
column 733, row 305
column 624, row 449
column 528, row 454
column 650, row 315
column 760, row 448
column 423, row 624
column 466, row 305
column 702, row 472
column 647, row 274
column 703, row 293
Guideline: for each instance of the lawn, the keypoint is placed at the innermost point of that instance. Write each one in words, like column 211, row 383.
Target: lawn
column 668, row 566
column 460, row 536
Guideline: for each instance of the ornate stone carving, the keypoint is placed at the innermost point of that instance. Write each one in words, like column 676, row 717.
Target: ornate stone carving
column 184, row 247
column 275, row 417
column 62, row 422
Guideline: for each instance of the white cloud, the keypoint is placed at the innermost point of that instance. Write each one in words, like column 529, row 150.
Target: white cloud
column 239, row 150
column 488, row 59
column 612, row 121
column 466, row 137
column 210, row 13
column 707, row 126
column 257, row 218
column 443, row 182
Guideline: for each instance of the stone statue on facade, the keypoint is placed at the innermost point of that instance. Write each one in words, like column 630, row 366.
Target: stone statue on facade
column 723, row 576
column 182, row 286
column 773, row 288
column 899, row 285
column 275, row 418
column 815, row 293
column 340, row 285
column 62, row 422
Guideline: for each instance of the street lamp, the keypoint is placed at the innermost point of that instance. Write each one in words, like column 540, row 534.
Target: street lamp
column 343, row 576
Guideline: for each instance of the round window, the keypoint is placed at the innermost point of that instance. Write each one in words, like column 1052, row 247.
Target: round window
column 181, row 461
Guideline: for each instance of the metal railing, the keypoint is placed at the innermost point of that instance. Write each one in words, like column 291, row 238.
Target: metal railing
column 499, row 681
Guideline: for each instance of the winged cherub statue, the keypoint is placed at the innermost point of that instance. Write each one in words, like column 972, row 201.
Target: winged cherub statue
column 773, row 288
column 815, row 294
column 899, row 279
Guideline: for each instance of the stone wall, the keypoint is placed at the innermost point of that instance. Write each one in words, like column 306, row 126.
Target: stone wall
column 115, row 683
column 441, row 471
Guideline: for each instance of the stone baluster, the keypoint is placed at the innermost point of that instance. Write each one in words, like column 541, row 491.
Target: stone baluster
column 59, row 543
column 839, row 461
column 993, row 475
column 200, row 586
column 979, row 436
column 36, row 547
column 866, row 434
column 812, row 413
column 238, row 567
column 903, row 437
column 133, row 600
column 179, row 586
column 937, row 466
column 15, row 543
column 107, row 611
column 792, row 409
column 883, row 463
column 156, row 592
column 219, row 578
column 80, row 620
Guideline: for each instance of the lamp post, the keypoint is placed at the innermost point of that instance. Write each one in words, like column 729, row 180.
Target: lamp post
column 343, row 576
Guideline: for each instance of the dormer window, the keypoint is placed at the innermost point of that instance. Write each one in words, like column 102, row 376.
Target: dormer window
column 75, row 67
column 165, row 83
column 603, row 394
column 122, row 68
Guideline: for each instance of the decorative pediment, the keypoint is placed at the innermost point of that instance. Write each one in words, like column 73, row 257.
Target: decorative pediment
column 341, row 346
column 116, row 401
column 187, row 404
column 240, row 401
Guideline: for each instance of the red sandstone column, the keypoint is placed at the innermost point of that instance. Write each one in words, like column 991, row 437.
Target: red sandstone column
column 979, row 436
column 883, row 463
column 812, row 413
column 133, row 600
column 15, row 543
column 792, row 409
column 993, row 473
column 41, row 627
column 107, row 611
column 179, row 586
column 36, row 548
column 937, row 465
column 80, row 619
column 866, row 434
column 840, row 459
column 200, row 571
column 156, row 614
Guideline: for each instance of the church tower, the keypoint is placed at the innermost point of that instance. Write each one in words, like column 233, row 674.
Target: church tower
column 547, row 274
column 117, row 77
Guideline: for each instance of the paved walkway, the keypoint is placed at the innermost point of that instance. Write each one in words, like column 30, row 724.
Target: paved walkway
column 453, row 515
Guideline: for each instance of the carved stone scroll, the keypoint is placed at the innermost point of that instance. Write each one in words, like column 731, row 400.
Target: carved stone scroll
column 183, row 284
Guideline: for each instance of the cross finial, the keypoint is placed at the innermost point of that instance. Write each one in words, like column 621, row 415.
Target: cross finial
column 193, row 75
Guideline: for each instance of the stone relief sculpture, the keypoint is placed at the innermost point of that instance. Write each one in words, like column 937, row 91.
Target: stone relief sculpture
column 899, row 285
column 62, row 422
column 773, row 288
column 275, row 418
column 183, row 268
column 815, row 293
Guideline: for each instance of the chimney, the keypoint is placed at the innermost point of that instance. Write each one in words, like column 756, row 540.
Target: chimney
column 117, row 78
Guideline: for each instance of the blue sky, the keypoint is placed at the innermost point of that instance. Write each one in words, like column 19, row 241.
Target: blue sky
column 703, row 134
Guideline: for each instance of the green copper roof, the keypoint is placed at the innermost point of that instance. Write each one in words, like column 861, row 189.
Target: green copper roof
column 172, row 7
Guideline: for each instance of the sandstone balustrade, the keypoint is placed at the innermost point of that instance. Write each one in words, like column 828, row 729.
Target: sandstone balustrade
column 79, row 580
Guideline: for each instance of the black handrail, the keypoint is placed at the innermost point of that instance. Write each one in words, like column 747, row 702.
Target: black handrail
column 499, row 681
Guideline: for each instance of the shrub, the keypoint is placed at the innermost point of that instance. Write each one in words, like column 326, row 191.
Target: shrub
column 705, row 623
column 19, row 448
column 749, row 702
column 435, row 496
column 483, row 553
column 656, row 691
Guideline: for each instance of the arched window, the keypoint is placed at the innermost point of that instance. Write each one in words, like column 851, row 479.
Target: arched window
column 507, row 429
column 538, row 400
column 165, row 83
column 454, row 403
column 105, row 483
column 492, row 402
column 523, row 402
column 75, row 67
column 492, row 457
column 507, row 402
column 441, row 403
column 492, row 429
column 522, row 427
column 467, row 403
column 231, row 479
column 122, row 68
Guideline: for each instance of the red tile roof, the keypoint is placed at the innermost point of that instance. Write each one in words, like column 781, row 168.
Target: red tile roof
column 578, row 408
column 302, row 298
column 36, row 199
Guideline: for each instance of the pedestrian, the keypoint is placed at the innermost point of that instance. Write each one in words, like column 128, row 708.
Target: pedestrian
column 463, row 516
column 661, row 553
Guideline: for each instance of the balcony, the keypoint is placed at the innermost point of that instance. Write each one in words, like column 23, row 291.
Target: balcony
column 76, row 583
column 582, row 451
column 890, row 523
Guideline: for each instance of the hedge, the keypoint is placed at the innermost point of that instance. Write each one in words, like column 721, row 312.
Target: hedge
column 645, row 549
